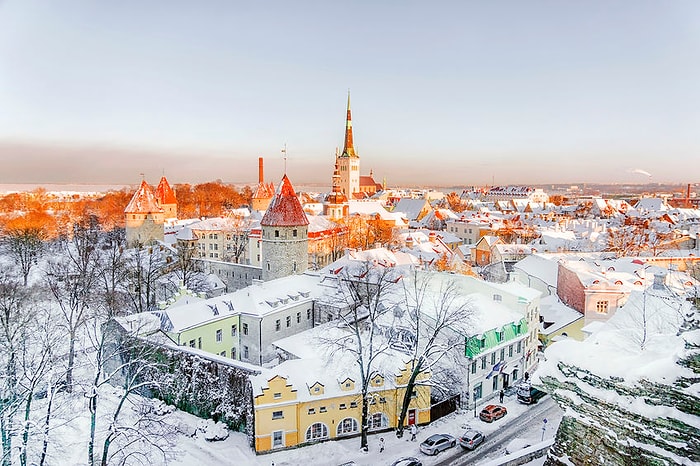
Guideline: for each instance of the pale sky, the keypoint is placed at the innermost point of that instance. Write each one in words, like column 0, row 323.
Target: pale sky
column 443, row 93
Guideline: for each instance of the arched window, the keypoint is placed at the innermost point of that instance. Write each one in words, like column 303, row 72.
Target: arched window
column 317, row 431
column 347, row 426
column 378, row 421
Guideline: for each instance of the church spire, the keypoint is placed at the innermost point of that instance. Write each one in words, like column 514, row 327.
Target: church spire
column 349, row 149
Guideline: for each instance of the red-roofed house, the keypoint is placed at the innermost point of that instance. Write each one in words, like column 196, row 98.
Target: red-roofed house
column 144, row 217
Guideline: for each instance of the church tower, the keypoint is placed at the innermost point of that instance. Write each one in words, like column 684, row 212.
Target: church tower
column 285, row 232
column 336, row 205
column 144, row 217
column 349, row 161
column 166, row 198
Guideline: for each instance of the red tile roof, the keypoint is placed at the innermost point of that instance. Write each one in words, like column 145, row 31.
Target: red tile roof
column 285, row 208
column 143, row 202
column 164, row 193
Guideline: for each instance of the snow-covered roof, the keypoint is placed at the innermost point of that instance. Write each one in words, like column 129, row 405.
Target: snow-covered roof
column 164, row 193
column 540, row 266
column 143, row 201
column 556, row 315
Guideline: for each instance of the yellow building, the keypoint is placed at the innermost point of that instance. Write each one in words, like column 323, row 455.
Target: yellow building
column 303, row 401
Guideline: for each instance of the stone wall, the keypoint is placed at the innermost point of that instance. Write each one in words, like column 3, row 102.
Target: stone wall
column 235, row 276
column 596, row 430
column 570, row 289
column 284, row 255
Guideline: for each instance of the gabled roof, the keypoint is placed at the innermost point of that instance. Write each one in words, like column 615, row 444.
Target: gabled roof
column 264, row 191
column 164, row 193
column 143, row 202
column 285, row 208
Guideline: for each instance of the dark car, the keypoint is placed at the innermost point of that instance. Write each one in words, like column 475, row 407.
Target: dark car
column 492, row 413
column 437, row 443
column 408, row 461
column 528, row 394
column 471, row 439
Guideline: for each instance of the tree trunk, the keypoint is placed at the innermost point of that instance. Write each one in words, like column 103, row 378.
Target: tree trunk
column 365, row 425
column 45, row 447
column 5, row 430
column 92, row 405
column 71, row 361
column 407, row 398
column 25, row 430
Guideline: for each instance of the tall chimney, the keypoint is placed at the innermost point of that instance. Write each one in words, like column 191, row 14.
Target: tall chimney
column 687, row 196
column 261, row 177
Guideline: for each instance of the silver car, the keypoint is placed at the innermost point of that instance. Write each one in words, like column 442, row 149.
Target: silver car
column 471, row 439
column 437, row 443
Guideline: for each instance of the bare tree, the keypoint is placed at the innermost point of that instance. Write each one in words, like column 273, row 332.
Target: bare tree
column 364, row 297
column 128, row 363
column 146, row 265
column 25, row 244
column 72, row 279
column 15, row 317
column 437, row 317
column 236, row 236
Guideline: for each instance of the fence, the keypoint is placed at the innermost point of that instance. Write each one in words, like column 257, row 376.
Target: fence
column 444, row 408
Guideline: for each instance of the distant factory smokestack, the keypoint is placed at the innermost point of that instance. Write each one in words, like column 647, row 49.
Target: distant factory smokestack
column 687, row 196
column 261, row 175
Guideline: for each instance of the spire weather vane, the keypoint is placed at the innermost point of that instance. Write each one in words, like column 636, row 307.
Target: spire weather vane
column 284, row 151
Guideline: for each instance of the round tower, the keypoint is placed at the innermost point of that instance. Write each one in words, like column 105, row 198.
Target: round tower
column 285, row 231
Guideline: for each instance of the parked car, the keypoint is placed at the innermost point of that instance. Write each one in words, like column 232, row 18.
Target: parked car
column 471, row 439
column 492, row 413
column 408, row 461
column 528, row 394
column 437, row 443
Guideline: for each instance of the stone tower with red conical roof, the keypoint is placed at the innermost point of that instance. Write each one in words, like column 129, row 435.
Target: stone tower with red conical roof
column 166, row 198
column 349, row 161
column 144, row 217
column 285, row 233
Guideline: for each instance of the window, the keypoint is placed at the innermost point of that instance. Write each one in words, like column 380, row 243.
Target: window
column 298, row 317
column 245, row 352
column 493, row 358
column 322, row 409
column 347, row 426
column 223, row 353
column 477, row 391
column 494, row 385
column 342, row 406
column 308, row 314
column 473, row 367
column 294, row 233
column 378, row 421
column 483, row 363
column 601, row 307
column 233, row 353
column 277, row 396
column 289, row 321
column 520, row 346
column 219, row 336
column 245, row 329
column 278, row 325
column 510, row 351
column 312, row 411
column 498, row 298
column 499, row 335
column 503, row 354
column 191, row 343
column 277, row 439
column 277, row 233
column 277, row 415
column 199, row 342
column 353, row 404
column 234, row 330
column 317, row 431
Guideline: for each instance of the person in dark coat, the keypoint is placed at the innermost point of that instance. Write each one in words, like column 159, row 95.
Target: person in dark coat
column 500, row 396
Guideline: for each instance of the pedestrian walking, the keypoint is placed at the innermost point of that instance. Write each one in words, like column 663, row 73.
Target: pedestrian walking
column 381, row 444
column 414, row 432
column 500, row 396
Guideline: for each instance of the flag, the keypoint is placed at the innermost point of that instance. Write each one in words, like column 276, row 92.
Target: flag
column 495, row 369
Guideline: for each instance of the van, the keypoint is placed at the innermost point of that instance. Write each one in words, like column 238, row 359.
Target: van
column 528, row 394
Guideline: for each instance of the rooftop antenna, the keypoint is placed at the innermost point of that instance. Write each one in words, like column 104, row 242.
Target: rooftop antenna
column 284, row 151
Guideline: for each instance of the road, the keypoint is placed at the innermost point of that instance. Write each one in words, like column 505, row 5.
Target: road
column 496, row 441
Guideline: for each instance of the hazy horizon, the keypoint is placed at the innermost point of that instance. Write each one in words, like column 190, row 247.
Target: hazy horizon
column 442, row 95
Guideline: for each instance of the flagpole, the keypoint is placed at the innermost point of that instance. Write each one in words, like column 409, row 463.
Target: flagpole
column 284, row 151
